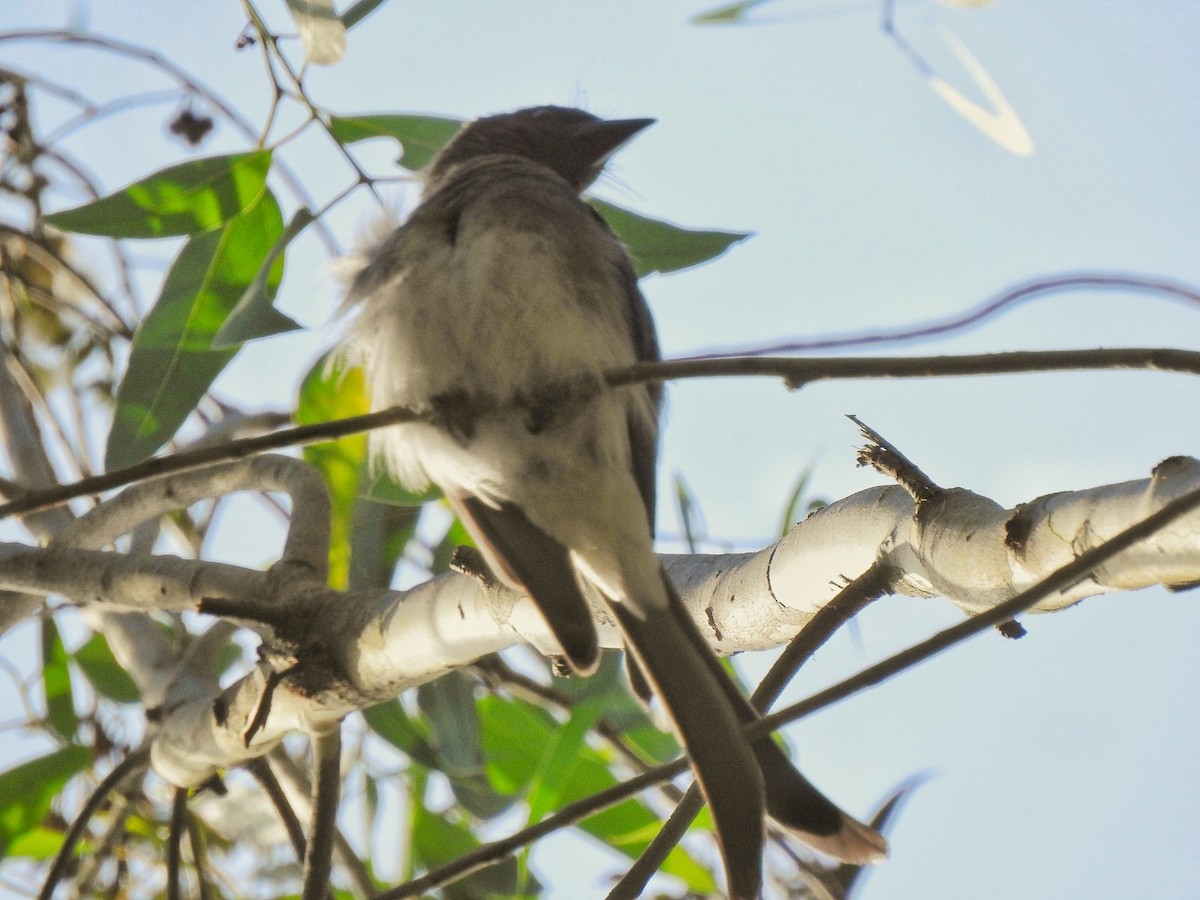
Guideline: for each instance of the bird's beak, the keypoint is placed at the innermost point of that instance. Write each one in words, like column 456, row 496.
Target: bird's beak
column 599, row 139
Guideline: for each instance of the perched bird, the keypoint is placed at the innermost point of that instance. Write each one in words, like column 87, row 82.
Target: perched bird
column 500, row 297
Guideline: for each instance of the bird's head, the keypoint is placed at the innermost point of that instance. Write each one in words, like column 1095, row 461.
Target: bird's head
column 571, row 142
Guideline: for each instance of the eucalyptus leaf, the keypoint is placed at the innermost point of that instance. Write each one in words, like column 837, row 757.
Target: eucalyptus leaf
column 56, row 682
column 657, row 246
column 420, row 136
column 254, row 316
column 27, row 791
column 183, row 199
column 173, row 362
column 104, row 672
column 322, row 31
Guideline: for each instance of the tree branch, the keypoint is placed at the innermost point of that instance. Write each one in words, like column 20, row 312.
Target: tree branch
column 796, row 372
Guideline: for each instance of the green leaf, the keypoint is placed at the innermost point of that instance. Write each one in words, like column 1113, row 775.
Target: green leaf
column 255, row 315
column 734, row 13
column 437, row 841
column 657, row 246
column 443, row 554
column 449, row 705
column 560, row 760
column 56, row 681
column 27, row 791
column 796, row 502
column 420, row 137
column 379, row 534
column 184, row 199
column 609, row 687
column 356, row 12
column 331, row 391
column 39, row 843
column 518, row 738
column 392, row 723
column 173, row 362
column 104, row 672
column 384, row 489
column 368, row 537
column 690, row 517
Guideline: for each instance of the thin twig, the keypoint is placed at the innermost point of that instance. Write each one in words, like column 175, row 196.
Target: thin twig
column 165, row 65
column 138, row 759
column 261, row 770
column 1047, row 284
column 175, row 844
column 269, row 39
column 318, row 861
column 796, row 372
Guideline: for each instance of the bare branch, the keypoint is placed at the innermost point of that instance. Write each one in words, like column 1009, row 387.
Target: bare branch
column 327, row 778
column 796, row 372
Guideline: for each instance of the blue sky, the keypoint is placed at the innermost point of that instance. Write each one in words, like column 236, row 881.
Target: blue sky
column 1061, row 765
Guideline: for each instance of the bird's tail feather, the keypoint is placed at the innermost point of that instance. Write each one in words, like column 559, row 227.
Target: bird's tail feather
column 710, row 731
column 530, row 560
column 791, row 799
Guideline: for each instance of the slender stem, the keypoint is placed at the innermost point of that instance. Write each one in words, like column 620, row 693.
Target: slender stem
column 175, row 844
column 135, row 761
column 261, row 770
column 318, row 861
column 315, row 114
column 165, row 65
column 796, row 372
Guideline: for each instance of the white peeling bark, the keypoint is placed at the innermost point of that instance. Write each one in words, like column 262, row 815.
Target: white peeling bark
column 957, row 544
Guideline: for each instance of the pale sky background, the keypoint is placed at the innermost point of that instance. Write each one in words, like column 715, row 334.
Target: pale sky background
column 1063, row 765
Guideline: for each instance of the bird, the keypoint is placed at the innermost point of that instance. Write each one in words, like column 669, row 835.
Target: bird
column 494, row 309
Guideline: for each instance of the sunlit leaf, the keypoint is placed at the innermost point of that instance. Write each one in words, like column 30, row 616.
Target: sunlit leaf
column 255, row 315
column 173, row 362
column 657, row 246
column 27, row 790
column 420, row 137
column 368, row 537
column 39, row 843
column 56, row 682
column 104, row 672
column 184, row 199
column 331, row 391
column 1000, row 123
column 322, row 31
